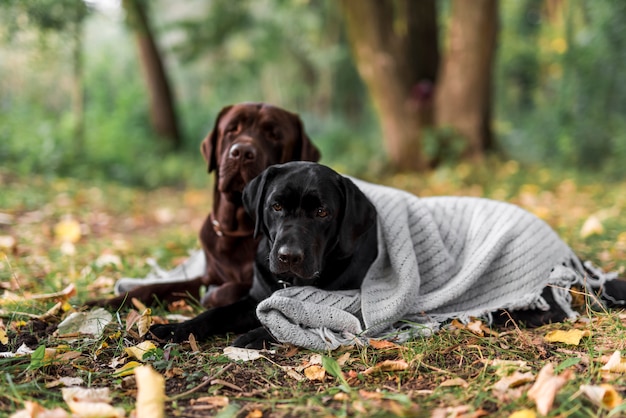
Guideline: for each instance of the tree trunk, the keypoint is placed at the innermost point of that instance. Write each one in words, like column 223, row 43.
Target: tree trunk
column 78, row 94
column 396, row 51
column 162, row 110
column 463, row 97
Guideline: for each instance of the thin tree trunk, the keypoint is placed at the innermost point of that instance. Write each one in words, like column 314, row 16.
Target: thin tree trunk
column 78, row 94
column 464, row 94
column 396, row 51
column 162, row 110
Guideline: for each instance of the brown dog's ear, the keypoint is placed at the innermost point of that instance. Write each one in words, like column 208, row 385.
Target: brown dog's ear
column 358, row 217
column 208, row 147
column 308, row 151
column 254, row 197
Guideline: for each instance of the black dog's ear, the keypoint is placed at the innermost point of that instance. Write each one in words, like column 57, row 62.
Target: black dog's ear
column 254, row 196
column 358, row 217
column 209, row 144
column 307, row 151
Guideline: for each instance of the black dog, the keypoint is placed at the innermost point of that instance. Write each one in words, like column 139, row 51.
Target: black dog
column 318, row 230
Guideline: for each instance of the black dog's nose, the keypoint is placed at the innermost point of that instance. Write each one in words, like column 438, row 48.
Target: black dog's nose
column 290, row 256
column 242, row 151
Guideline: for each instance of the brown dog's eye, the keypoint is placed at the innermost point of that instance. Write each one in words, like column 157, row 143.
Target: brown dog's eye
column 322, row 213
column 277, row 207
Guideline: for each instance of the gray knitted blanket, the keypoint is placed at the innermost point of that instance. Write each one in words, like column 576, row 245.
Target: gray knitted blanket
column 438, row 258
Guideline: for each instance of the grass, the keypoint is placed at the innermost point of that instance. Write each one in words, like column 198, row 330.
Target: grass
column 451, row 373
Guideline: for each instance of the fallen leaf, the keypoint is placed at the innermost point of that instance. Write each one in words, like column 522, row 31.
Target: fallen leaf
column 514, row 380
column 89, row 324
column 388, row 366
column 384, row 345
column 592, row 226
column 615, row 364
column 315, row 372
column 524, row 413
column 212, row 401
column 255, row 413
column 34, row 410
column 343, row 359
column 604, row 395
column 4, row 340
column 243, row 354
column 150, row 393
column 454, row 382
column 127, row 369
column 91, row 402
column 140, row 349
column 193, row 343
column 7, row 242
column 67, row 230
column 545, row 388
column 571, row 337
column 66, row 381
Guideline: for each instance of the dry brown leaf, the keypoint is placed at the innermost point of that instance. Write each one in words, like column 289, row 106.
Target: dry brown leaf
column 516, row 379
column 150, row 393
column 315, row 372
column 604, row 395
column 343, row 359
column 384, row 345
column 388, row 366
column 193, row 344
column 544, row 391
column 214, row 401
column 91, row 402
column 34, row 410
column 571, row 337
column 454, row 382
column 615, row 364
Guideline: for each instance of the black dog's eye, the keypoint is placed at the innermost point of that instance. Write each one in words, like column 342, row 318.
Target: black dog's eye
column 277, row 207
column 321, row 213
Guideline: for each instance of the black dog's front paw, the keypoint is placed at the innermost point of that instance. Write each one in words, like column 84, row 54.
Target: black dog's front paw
column 257, row 339
column 171, row 332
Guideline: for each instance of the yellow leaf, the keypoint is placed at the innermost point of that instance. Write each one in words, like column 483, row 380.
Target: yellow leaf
column 524, row 413
column 315, row 372
column 571, row 337
column 615, row 364
column 67, row 230
column 150, row 393
column 140, row 349
column 127, row 369
column 604, row 395
column 4, row 340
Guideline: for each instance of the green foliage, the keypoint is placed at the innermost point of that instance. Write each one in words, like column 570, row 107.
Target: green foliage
column 561, row 88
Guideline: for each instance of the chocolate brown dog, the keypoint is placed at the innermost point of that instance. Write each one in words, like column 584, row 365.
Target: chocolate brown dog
column 246, row 139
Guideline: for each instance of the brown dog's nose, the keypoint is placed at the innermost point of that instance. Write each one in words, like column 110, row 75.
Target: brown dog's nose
column 290, row 256
column 242, row 151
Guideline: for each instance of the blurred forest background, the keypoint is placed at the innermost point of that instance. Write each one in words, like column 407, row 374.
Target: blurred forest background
column 127, row 90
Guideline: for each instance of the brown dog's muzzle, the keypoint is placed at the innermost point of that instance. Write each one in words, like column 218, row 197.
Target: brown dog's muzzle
column 243, row 152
